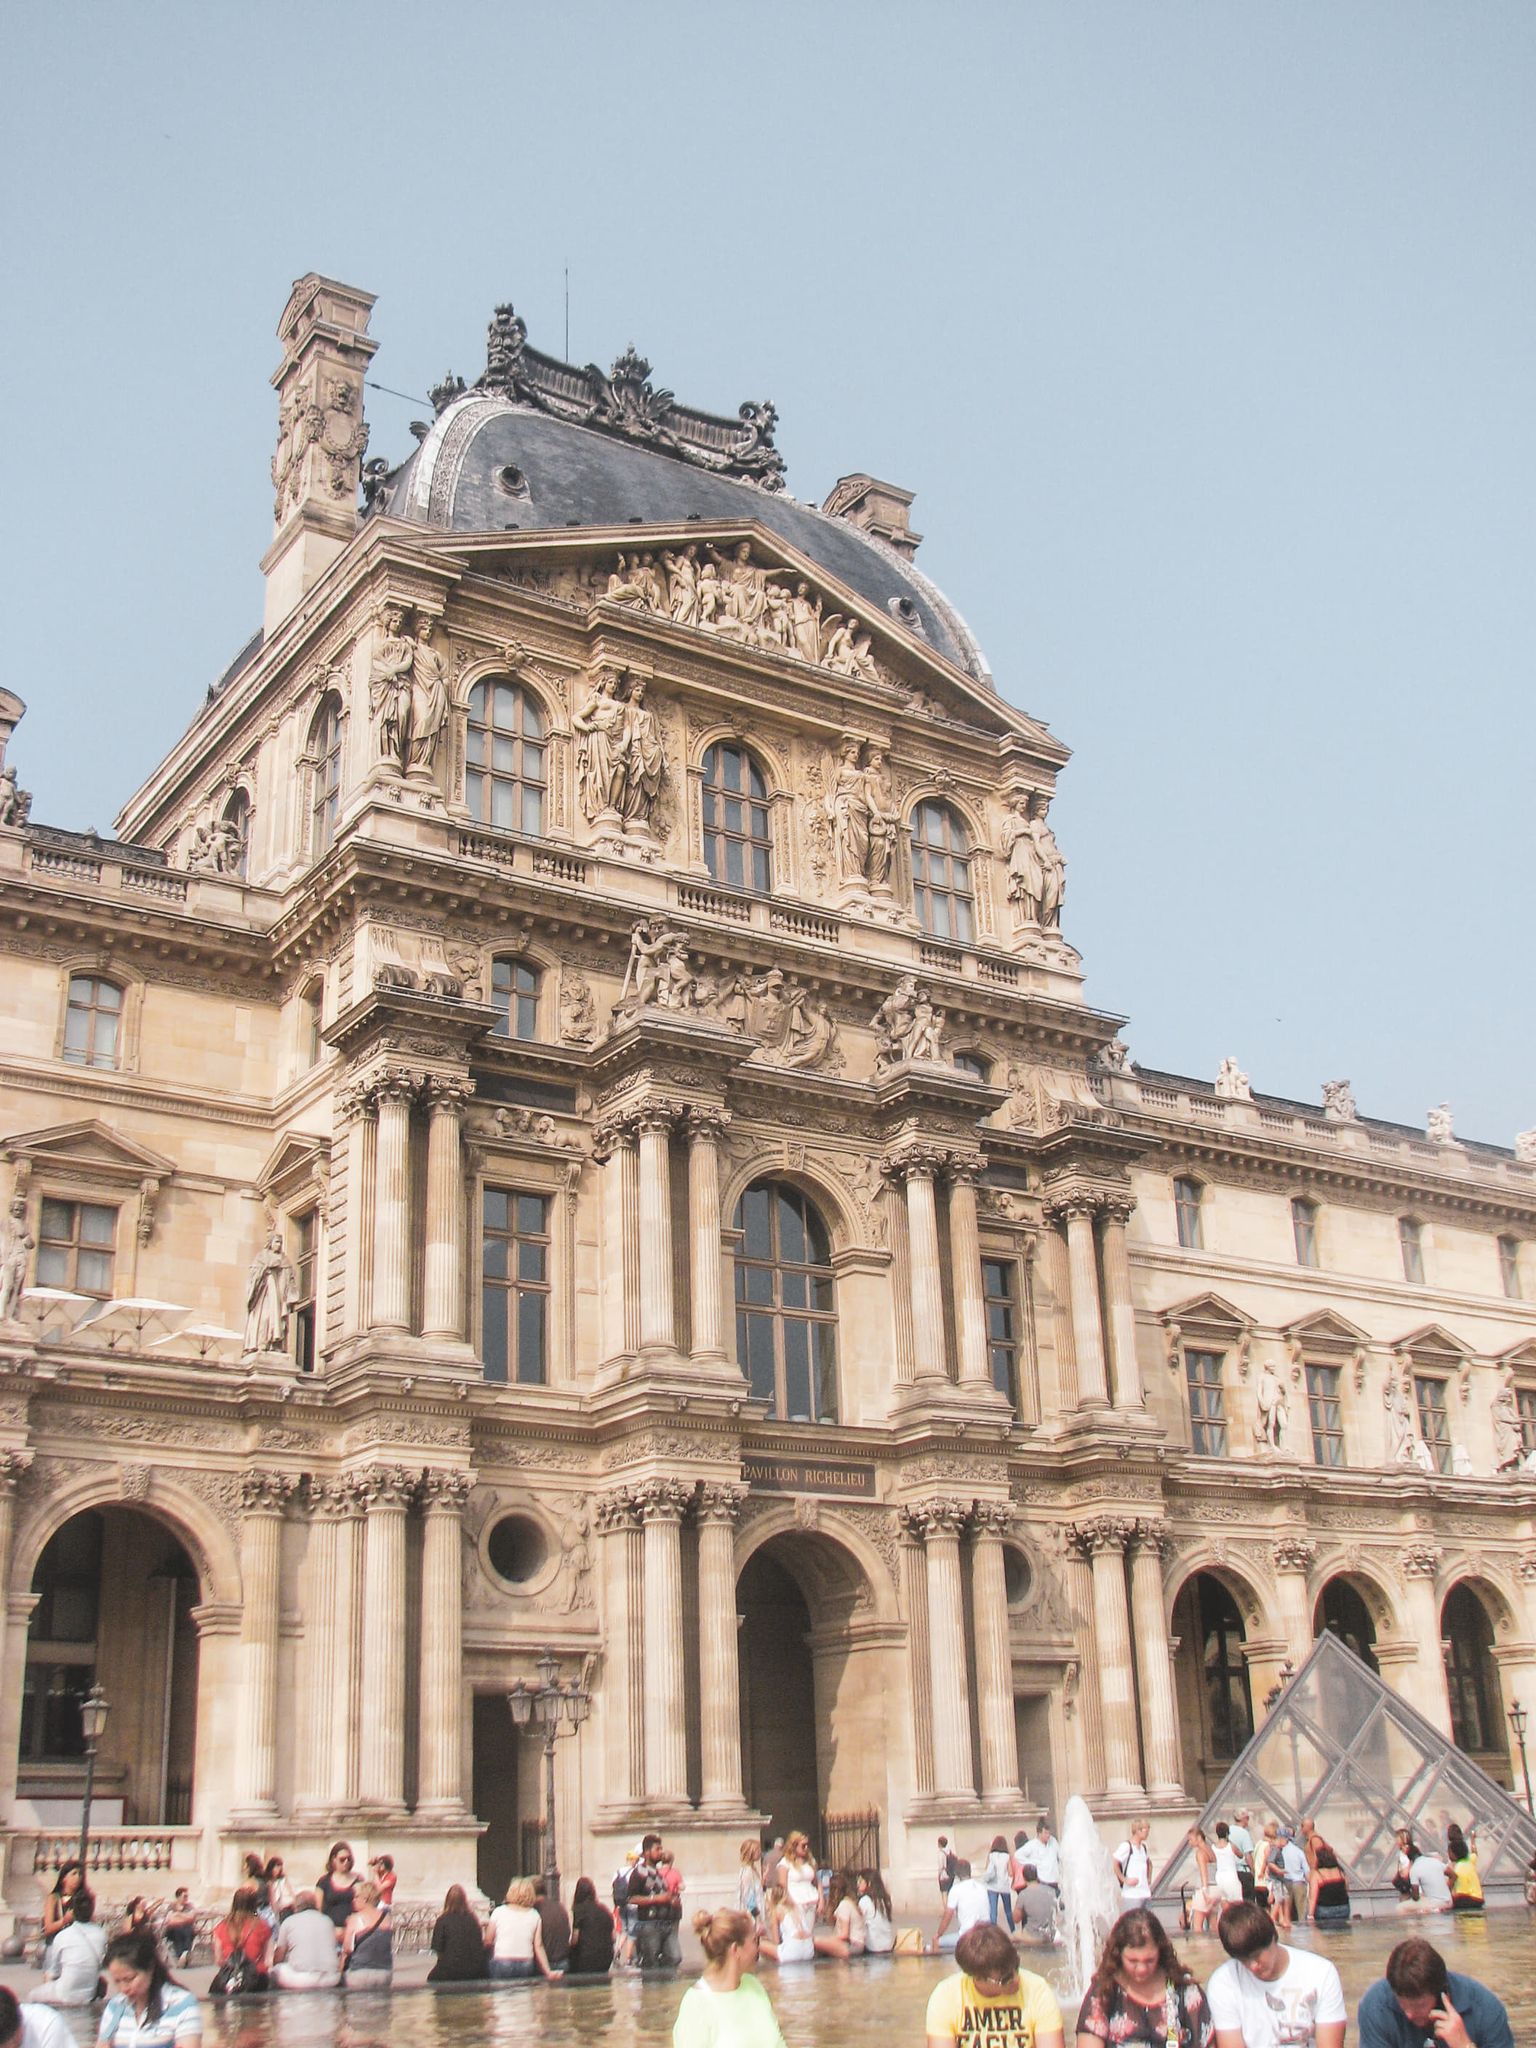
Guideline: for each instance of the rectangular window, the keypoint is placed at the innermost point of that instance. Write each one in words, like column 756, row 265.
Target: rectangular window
column 514, row 1287
column 1410, row 1235
column 1525, row 1402
column 1434, row 1419
column 1304, row 1230
column 1207, row 1403
column 303, row 1309
column 1186, row 1210
column 1323, row 1406
column 1000, row 1298
column 1509, row 1267
column 74, row 1247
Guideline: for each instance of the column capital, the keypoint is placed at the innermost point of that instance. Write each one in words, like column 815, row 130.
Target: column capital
column 391, row 1488
column 662, row 1500
column 706, row 1121
column 1527, row 1568
column 1106, row 1533
column 718, row 1503
column 267, row 1493
column 657, row 1116
column 917, row 1159
column 1294, row 1554
column 14, row 1466
column 1421, row 1559
column 992, row 1518
column 1117, row 1209
column 614, row 1130
column 941, row 1516
column 354, row 1100
column 617, row 1510
column 332, row 1500
column 1066, row 1203
column 396, row 1084
column 447, row 1094
column 444, row 1492
column 1152, row 1537
column 966, row 1169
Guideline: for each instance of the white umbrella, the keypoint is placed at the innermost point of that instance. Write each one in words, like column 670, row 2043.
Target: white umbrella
column 134, row 1311
column 207, row 1337
column 50, row 1301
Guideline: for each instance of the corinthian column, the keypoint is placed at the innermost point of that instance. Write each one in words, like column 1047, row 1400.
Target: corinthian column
column 965, row 1265
column 389, row 1491
column 705, row 1126
column 1106, row 1540
column 624, row 1715
column 1087, row 1332
column 658, row 1328
column 1421, row 1564
column 662, row 1504
column 443, row 1315
column 441, row 1774
column 919, row 1171
column 719, row 1676
column 355, row 1106
column 264, row 1495
column 322, row 1720
column 1159, row 1720
column 1294, row 1558
column 994, row 1655
column 1121, row 1309
column 942, row 1523
column 394, row 1091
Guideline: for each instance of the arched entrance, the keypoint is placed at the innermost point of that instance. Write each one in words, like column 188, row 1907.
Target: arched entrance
column 1211, row 1680
column 114, row 1591
column 1342, row 1610
column 1472, row 1681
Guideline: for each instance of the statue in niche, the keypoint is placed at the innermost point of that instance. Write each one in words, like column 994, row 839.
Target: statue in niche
column 269, row 1292
column 658, row 975
column 1339, row 1102
column 428, row 702
column 389, row 689
column 907, row 1025
column 1438, row 1126
column 1402, row 1437
column 1508, row 1441
column 1037, row 872
column 1231, row 1082
column 578, row 1014
column 1274, row 1408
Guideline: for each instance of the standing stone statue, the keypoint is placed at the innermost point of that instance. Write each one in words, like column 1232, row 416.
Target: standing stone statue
column 1402, row 1437
column 1274, row 1408
column 642, row 759
column 1037, row 872
column 389, row 690
column 269, row 1292
column 599, row 728
column 1508, row 1440
column 14, row 1259
column 884, row 819
column 428, row 702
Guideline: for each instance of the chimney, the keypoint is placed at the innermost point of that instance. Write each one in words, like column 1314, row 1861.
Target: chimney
column 321, row 436
column 880, row 509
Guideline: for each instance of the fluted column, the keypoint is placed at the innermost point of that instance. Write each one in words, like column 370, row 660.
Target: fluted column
column 719, row 1675
column 1294, row 1558
column 382, row 1788
column 990, row 1523
column 705, row 1127
column 264, row 1496
column 658, row 1328
column 1421, row 1564
column 919, row 1172
column 1080, row 1690
column 1149, row 1622
column 1106, row 1542
column 323, row 1699
column 394, row 1090
column 662, row 1504
column 443, row 1305
column 1124, row 1364
column 965, row 1264
column 942, row 1523
column 624, row 1708
column 355, row 1107
column 441, row 1771
column 1087, row 1332
column 13, row 1469
column 614, row 1147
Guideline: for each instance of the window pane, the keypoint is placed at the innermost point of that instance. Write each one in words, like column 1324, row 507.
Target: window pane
column 533, row 810
column 93, row 1273
column 530, row 1259
column 791, row 1229
column 530, row 1339
column 52, row 1266
column 760, row 1356
column 753, row 1221
column 797, row 1372
column 532, row 1213
column 97, row 1224
column 57, row 1220
column 493, row 1333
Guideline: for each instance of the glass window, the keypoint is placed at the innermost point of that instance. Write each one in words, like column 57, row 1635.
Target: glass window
column 515, row 998
column 1186, row 1213
column 1304, row 1230
column 1525, row 1404
column 972, row 1063
column 92, row 1020
column 506, row 752
column 1410, row 1235
column 1323, row 1406
column 737, row 839
column 1207, row 1403
column 999, row 1289
column 311, row 1017
column 941, row 873
column 1471, row 1677
column 235, row 855
column 74, row 1246
column 302, row 1312
column 514, row 1287
column 786, row 1321
column 1509, row 1267
column 1434, row 1419
column 1228, row 1702
column 325, row 768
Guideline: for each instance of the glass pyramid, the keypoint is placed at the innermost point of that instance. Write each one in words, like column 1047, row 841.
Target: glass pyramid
column 1344, row 1750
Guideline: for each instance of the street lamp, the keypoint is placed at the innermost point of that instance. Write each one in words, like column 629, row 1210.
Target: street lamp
column 94, row 1709
column 550, row 1704
column 1518, row 1718
column 1286, row 1674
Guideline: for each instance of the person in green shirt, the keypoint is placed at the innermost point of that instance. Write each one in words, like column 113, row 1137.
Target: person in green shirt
column 726, row 2007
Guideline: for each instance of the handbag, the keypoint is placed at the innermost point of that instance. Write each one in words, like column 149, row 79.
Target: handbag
column 908, row 1942
column 236, row 1974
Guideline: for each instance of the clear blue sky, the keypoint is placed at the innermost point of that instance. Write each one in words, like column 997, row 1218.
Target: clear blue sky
column 1203, row 332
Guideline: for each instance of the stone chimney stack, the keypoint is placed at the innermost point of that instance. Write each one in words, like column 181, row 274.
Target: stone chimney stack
column 880, row 509
column 321, row 436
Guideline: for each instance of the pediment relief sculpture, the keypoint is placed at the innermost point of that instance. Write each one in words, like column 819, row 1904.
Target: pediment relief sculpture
column 1043, row 1099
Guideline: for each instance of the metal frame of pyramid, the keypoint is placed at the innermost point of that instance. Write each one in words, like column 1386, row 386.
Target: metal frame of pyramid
column 1341, row 1748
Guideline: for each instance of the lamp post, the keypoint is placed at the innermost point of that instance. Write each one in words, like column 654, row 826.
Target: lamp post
column 551, row 1705
column 1518, row 1718
column 94, row 1709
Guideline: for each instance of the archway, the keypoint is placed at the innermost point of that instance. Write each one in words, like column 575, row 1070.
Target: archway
column 114, row 1591
column 1210, row 1680
column 1472, row 1680
column 1342, row 1610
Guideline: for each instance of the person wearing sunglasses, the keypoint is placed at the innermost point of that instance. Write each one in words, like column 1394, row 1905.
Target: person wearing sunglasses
column 991, row 1999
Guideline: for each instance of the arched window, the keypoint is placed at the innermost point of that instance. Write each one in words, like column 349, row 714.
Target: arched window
column 515, row 998
column 737, row 840
column 235, row 854
column 786, row 1324
column 973, row 1064
column 941, row 873
column 1342, row 1610
column 1471, row 1676
column 505, row 757
column 325, row 778
column 1228, row 1702
column 93, row 1019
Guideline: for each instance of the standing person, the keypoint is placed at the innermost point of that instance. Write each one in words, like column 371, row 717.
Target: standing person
column 306, row 1955
column 1328, row 1891
column 242, row 1943
column 1133, row 1866
column 1045, row 1855
column 802, row 1888
column 1207, row 1897
column 947, row 1862
column 1296, row 1872
column 1242, row 1845
column 875, row 1911
column 58, row 1906
column 656, row 1943
column 147, row 2008
column 75, row 1956
column 458, row 1942
column 554, row 1923
column 991, row 1999
column 368, row 1942
column 515, row 1937
column 1271, row 1996
column 966, row 1907
column 726, row 2007
column 1141, row 1992
column 999, row 1881
column 384, row 1878
column 1461, row 1869
column 1420, row 2000
column 591, row 1933
column 178, row 1929
column 749, row 1880
column 1229, row 1877
column 340, row 1881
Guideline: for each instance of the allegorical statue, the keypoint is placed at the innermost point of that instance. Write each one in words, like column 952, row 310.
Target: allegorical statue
column 643, row 758
column 389, row 689
column 1508, row 1439
column 907, row 1025
column 599, row 729
column 1037, row 872
column 657, row 975
column 269, row 1292
column 15, row 1255
column 1274, row 1408
column 1402, row 1437
column 428, row 701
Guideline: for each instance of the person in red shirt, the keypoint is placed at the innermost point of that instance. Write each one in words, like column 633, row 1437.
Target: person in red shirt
column 244, row 1932
column 384, row 1878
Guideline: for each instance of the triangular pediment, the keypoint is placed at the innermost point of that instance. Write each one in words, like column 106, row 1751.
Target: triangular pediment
column 1325, row 1328
column 1209, row 1312
column 1433, row 1341
column 1520, row 1357
column 88, row 1146
column 297, row 1158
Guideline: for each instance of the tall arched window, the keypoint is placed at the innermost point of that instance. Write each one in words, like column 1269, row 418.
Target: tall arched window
column 941, row 873
column 786, row 1323
column 1471, row 1676
column 505, row 757
column 737, row 840
column 515, row 998
column 325, row 778
column 235, row 855
column 93, row 1021
column 1228, row 1702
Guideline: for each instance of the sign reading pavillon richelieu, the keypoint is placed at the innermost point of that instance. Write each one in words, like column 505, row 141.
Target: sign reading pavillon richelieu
column 809, row 1475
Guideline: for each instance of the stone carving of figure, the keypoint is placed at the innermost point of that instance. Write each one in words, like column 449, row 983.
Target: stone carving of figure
column 642, row 759
column 389, row 689
column 577, row 1547
column 1232, row 1082
column 1402, row 1437
column 907, row 1025
column 268, row 1296
column 1037, row 872
column 205, row 853
column 1525, row 1147
column 925, row 1040
column 791, row 1026
column 14, row 1259
column 1423, row 1456
column 1508, row 1443
column 847, row 807
column 1274, row 1408
column 599, row 728
column 428, row 702
column 1438, row 1126
column 1339, row 1102
column 710, row 594
column 625, row 585
column 883, row 820
column 683, row 584
column 15, row 804
column 658, row 975
column 1461, row 1462
column 578, row 1016
column 744, row 595
column 805, row 624
column 847, row 650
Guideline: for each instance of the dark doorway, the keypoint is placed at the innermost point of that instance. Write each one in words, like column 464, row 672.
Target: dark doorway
column 498, row 1858
column 778, row 1696
column 1472, row 1681
column 1343, row 1612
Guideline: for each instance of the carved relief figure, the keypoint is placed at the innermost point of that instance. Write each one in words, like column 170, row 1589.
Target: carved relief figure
column 269, row 1294
column 883, row 819
column 1402, row 1437
column 428, row 702
column 13, row 1269
column 389, row 689
column 907, row 1025
column 576, row 1546
column 1508, row 1443
column 683, row 584
column 1037, row 872
column 1274, row 1408
column 658, row 975
column 578, row 1014
column 792, row 1028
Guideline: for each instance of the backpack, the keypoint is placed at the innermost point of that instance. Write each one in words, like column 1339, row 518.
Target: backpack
column 235, row 1975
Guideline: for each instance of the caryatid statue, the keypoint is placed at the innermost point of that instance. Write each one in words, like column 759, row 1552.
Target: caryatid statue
column 428, row 702
column 269, row 1292
column 389, row 689
column 1037, row 872
column 620, row 760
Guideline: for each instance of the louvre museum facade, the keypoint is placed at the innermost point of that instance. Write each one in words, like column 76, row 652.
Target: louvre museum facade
column 565, row 1126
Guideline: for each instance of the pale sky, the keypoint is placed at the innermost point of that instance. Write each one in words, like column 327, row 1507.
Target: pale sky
column 1204, row 334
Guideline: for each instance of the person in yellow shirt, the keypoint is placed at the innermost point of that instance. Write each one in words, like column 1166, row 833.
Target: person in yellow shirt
column 992, row 2003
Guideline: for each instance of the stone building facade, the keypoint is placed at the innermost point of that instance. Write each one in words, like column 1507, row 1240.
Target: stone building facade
column 566, row 1123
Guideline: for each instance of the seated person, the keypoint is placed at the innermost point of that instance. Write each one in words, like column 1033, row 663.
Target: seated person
column 75, row 1955
column 966, row 1907
column 1037, row 1907
column 306, row 1955
column 178, row 1929
column 991, row 1999
column 1420, row 2000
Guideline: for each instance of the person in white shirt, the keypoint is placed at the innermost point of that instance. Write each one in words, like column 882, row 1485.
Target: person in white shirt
column 1133, row 1866
column 75, row 1957
column 1045, row 1854
column 966, row 1907
column 1428, row 1873
column 30, row 2026
column 1271, row 1996
column 1242, row 1838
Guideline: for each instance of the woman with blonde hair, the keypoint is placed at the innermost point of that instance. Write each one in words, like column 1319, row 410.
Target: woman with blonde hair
column 749, row 1881
column 367, row 1942
column 515, row 1936
column 726, row 2007
column 790, row 1937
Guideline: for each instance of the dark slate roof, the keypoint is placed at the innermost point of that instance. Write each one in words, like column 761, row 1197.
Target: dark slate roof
column 569, row 475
